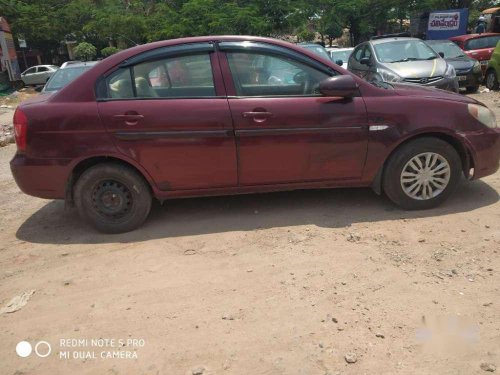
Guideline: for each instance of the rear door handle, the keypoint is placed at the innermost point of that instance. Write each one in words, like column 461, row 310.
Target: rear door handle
column 130, row 118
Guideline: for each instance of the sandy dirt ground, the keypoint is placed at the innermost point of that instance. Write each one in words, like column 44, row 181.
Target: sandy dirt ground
column 293, row 283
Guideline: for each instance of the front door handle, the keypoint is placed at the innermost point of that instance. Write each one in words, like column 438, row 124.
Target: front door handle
column 129, row 118
column 258, row 116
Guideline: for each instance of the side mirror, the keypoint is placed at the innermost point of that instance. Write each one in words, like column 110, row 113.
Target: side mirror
column 365, row 61
column 441, row 54
column 341, row 86
column 339, row 62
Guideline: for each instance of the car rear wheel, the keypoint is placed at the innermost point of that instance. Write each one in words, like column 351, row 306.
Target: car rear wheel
column 491, row 80
column 113, row 198
column 422, row 173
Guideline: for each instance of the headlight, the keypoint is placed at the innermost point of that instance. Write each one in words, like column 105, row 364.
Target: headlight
column 484, row 115
column 477, row 67
column 450, row 72
column 389, row 76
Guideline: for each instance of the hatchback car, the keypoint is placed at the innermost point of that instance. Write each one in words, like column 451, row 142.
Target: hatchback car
column 38, row 75
column 493, row 70
column 469, row 73
column 478, row 46
column 241, row 115
column 66, row 74
column 402, row 59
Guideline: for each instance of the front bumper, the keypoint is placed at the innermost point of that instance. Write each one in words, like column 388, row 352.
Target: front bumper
column 448, row 84
column 484, row 146
column 470, row 79
column 43, row 178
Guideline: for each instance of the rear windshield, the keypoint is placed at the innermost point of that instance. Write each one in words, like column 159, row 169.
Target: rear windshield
column 64, row 76
column 482, row 43
column 318, row 50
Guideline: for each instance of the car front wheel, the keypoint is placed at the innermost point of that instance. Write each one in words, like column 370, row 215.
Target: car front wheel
column 422, row 173
column 491, row 80
column 113, row 198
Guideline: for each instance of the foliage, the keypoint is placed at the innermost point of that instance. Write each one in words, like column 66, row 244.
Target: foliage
column 108, row 51
column 124, row 23
column 85, row 51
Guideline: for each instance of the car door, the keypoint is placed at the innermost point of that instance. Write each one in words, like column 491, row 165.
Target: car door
column 175, row 119
column 355, row 65
column 28, row 75
column 286, row 131
column 42, row 74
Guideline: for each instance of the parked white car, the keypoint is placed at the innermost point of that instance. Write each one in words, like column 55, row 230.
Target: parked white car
column 340, row 56
column 38, row 75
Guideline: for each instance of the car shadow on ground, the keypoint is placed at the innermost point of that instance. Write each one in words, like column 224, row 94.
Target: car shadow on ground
column 333, row 208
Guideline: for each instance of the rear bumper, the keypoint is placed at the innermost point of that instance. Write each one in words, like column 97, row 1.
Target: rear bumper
column 485, row 148
column 43, row 178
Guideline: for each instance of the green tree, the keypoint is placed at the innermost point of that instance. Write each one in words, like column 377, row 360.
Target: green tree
column 108, row 51
column 85, row 51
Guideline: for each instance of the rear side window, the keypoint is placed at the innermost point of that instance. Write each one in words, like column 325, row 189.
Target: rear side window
column 478, row 43
column 178, row 76
column 493, row 40
column 42, row 69
column 262, row 74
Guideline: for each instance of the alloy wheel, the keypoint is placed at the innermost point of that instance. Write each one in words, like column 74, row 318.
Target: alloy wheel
column 425, row 176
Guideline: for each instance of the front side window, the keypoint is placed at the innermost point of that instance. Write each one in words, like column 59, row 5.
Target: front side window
column 30, row 71
column 42, row 69
column 257, row 74
column 171, row 77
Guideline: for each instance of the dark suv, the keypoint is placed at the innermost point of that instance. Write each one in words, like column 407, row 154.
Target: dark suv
column 230, row 115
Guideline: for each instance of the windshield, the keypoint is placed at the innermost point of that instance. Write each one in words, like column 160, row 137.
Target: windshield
column 340, row 55
column 318, row 50
column 64, row 76
column 449, row 49
column 404, row 50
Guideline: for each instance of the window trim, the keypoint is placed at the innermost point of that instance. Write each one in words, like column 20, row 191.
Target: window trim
column 205, row 48
column 269, row 50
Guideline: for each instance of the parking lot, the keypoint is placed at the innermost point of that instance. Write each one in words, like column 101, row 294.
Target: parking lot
column 306, row 282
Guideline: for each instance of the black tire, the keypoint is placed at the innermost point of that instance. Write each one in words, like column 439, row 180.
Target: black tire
column 392, row 184
column 113, row 198
column 491, row 80
column 472, row 89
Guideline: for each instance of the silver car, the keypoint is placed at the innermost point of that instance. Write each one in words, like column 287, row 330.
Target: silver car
column 402, row 59
column 38, row 75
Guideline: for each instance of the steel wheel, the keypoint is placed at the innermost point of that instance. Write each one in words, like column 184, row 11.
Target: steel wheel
column 425, row 176
column 111, row 199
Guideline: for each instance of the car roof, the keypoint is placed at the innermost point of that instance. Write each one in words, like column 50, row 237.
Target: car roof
column 472, row 36
column 340, row 49
column 438, row 41
column 390, row 39
column 85, row 82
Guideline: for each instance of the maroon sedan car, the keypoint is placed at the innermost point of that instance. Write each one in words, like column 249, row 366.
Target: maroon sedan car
column 235, row 114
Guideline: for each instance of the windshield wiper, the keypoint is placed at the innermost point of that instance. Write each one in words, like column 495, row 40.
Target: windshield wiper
column 430, row 58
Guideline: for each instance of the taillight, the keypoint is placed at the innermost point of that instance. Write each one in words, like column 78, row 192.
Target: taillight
column 20, row 129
